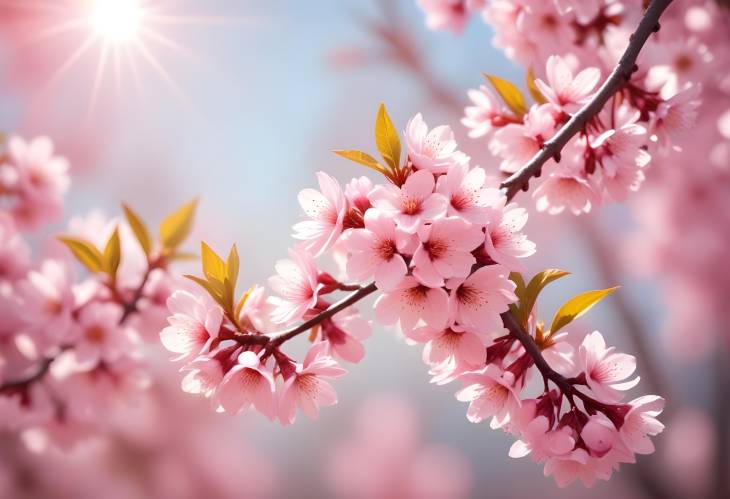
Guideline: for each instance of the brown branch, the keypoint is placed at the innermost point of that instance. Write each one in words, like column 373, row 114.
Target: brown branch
column 617, row 79
column 274, row 340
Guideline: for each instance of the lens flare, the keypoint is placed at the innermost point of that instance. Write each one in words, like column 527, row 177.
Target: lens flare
column 117, row 20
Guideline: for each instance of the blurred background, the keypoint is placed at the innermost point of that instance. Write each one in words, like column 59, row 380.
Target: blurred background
column 240, row 103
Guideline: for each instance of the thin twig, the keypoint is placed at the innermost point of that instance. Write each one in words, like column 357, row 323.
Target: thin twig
column 617, row 79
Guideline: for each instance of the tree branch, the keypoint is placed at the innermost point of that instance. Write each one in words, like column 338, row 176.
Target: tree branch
column 618, row 77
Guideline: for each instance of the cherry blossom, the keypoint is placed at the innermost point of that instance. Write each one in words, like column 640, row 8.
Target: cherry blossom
column 193, row 325
column 297, row 284
column 478, row 300
column 326, row 210
column 374, row 251
column 606, row 369
column 433, row 150
column 411, row 205
column 248, row 383
column 306, row 389
column 412, row 302
column 445, row 250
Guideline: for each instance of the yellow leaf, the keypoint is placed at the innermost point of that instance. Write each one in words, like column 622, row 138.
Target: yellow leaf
column 139, row 228
column 214, row 291
column 232, row 265
column 516, row 308
column 314, row 333
column 361, row 157
column 386, row 138
column 112, row 255
column 535, row 287
column 577, row 306
column 532, row 88
column 85, row 252
column 510, row 94
column 242, row 302
column 176, row 227
column 214, row 267
column 183, row 256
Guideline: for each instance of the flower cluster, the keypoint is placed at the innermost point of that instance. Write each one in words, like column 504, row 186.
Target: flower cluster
column 32, row 181
column 70, row 349
column 444, row 248
column 572, row 45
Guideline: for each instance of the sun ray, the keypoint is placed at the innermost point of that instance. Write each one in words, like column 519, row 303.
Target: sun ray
column 155, row 64
column 168, row 43
column 98, row 79
column 60, row 29
column 72, row 59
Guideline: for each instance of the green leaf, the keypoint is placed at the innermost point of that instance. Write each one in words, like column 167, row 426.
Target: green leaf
column 577, row 306
column 214, row 267
column 139, row 229
column 510, row 94
column 112, row 256
column 532, row 88
column 535, row 287
column 85, row 252
column 176, row 227
column 361, row 157
column 387, row 139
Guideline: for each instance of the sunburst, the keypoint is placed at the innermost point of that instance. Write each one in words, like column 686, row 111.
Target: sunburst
column 124, row 36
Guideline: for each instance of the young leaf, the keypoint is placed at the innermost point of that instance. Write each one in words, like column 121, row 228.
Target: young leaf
column 387, row 139
column 112, row 256
column 363, row 158
column 532, row 88
column 85, row 252
column 216, row 292
column 232, row 266
column 510, row 94
column 535, row 287
column 214, row 267
column 139, row 228
column 577, row 306
column 176, row 227
column 242, row 302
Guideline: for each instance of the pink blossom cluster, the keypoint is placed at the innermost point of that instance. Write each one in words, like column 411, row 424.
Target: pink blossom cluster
column 440, row 243
column 675, row 241
column 573, row 45
column 33, row 181
column 383, row 455
column 69, row 347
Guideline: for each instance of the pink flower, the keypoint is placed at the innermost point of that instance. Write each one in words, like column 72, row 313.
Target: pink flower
column 306, row 388
column 47, row 301
column 40, row 179
column 566, row 188
column 374, row 251
column 203, row 375
column 605, row 369
column 99, row 337
column 675, row 116
column 345, row 333
column 505, row 243
column 467, row 193
column 434, row 151
column 413, row 204
column 599, row 435
column 412, row 302
column 326, row 210
column 256, row 311
column 478, row 300
column 451, row 351
column 246, row 383
column 298, row 285
column 481, row 117
column 490, row 392
column 14, row 251
column 195, row 322
column 563, row 90
column 444, row 14
column 516, row 144
column 641, row 422
column 445, row 250
column 538, row 439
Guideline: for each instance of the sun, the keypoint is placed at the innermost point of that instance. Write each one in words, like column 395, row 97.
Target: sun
column 116, row 20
